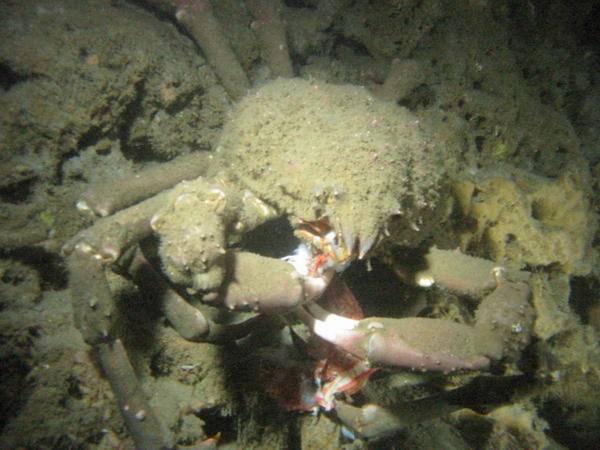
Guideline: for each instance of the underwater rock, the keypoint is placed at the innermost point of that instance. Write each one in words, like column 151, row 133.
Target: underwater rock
column 531, row 220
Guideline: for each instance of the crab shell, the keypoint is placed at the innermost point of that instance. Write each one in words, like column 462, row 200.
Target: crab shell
column 314, row 150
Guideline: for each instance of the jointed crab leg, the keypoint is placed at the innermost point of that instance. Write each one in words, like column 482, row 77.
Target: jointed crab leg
column 260, row 284
column 93, row 307
column 502, row 325
column 105, row 199
column 198, row 19
column 141, row 421
column 93, row 312
column 106, row 239
column 375, row 421
column 91, row 297
column 415, row 343
column 464, row 274
column 193, row 323
column 270, row 31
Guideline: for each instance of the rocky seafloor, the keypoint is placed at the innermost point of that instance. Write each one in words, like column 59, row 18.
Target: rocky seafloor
column 94, row 91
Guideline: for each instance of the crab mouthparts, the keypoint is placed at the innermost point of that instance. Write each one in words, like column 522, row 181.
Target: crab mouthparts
column 321, row 249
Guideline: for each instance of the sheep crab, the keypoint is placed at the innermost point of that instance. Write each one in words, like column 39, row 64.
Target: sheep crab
column 337, row 163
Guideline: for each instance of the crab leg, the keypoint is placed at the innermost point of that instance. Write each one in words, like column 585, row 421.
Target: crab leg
column 374, row 421
column 93, row 313
column 106, row 239
column 146, row 430
column 198, row 19
column 503, row 326
column 270, row 31
column 93, row 310
column 192, row 323
column 107, row 198
column 415, row 343
column 464, row 274
column 261, row 284
column 187, row 320
column 403, row 76
column 93, row 305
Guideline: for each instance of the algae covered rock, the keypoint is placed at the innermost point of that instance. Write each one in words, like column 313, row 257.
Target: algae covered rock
column 530, row 220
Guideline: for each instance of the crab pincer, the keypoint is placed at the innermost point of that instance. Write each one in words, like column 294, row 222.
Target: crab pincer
column 414, row 343
column 502, row 328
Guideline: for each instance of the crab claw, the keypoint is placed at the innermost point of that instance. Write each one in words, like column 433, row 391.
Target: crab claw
column 260, row 284
column 414, row 343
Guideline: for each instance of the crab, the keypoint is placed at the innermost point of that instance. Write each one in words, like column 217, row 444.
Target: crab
column 337, row 163
column 298, row 149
